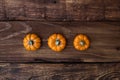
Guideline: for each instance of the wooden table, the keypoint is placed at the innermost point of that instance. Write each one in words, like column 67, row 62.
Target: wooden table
column 99, row 20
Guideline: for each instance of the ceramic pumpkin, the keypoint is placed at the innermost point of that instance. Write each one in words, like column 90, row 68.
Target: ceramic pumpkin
column 81, row 42
column 57, row 42
column 31, row 42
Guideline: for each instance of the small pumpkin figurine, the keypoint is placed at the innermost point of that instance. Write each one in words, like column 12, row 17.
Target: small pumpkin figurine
column 81, row 42
column 57, row 42
column 31, row 42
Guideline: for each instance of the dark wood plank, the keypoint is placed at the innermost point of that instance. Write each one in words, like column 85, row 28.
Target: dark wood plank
column 2, row 10
column 35, row 9
column 112, row 9
column 55, row 10
column 24, row 9
column 60, row 71
column 14, row 11
column 85, row 10
column 60, row 10
column 104, row 37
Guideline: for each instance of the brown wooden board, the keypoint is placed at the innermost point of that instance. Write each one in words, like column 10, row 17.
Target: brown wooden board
column 104, row 37
column 104, row 71
column 2, row 10
column 112, row 9
column 85, row 10
column 60, row 10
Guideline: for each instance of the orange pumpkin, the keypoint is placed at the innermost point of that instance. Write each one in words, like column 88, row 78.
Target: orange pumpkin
column 81, row 42
column 31, row 42
column 57, row 42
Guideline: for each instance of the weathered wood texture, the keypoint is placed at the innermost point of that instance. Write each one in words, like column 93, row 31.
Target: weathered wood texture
column 60, row 71
column 60, row 10
column 104, row 37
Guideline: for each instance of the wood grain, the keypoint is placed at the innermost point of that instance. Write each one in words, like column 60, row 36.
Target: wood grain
column 60, row 10
column 2, row 10
column 112, row 9
column 104, row 37
column 104, row 71
column 85, row 10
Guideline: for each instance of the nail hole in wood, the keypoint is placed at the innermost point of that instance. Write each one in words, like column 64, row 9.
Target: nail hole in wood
column 54, row 2
column 118, row 48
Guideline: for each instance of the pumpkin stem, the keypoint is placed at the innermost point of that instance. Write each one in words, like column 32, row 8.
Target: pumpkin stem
column 82, row 43
column 31, row 42
column 57, row 42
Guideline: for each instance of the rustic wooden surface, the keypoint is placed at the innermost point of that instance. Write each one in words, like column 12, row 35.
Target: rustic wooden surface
column 60, row 10
column 104, row 37
column 104, row 71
